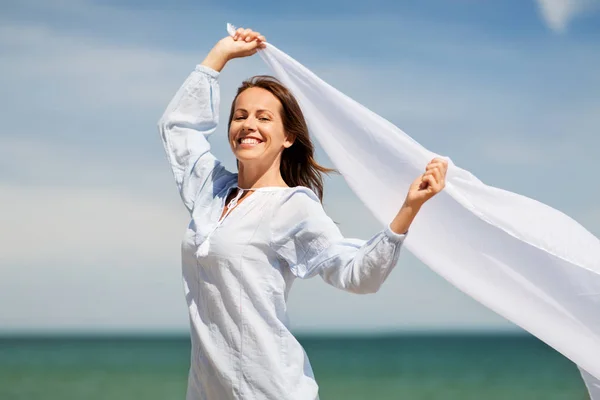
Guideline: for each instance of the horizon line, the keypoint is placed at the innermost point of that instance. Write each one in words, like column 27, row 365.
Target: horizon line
column 300, row 334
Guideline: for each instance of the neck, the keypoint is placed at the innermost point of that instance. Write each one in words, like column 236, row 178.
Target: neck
column 253, row 176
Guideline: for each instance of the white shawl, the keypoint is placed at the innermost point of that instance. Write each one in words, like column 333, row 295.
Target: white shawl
column 522, row 259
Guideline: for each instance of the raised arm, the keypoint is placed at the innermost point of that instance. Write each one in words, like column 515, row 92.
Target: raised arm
column 192, row 116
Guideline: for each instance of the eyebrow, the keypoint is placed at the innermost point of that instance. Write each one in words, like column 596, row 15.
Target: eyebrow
column 258, row 111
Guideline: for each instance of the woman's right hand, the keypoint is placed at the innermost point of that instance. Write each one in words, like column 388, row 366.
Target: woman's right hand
column 244, row 43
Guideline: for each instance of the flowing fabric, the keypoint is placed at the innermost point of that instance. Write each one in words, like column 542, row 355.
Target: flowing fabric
column 524, row 260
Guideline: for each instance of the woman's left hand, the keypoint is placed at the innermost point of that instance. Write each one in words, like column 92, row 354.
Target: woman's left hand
column 429, row 184
column 422, row 189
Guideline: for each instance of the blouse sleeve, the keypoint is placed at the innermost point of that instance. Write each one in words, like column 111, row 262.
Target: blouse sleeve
column 311, row 243
column 190, row 118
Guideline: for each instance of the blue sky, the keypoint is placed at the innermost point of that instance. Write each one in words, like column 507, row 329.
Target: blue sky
column 91, row 223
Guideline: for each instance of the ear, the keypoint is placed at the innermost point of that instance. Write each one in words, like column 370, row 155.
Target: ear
column 289, row 141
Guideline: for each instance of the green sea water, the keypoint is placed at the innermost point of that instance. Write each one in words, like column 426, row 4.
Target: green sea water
column 359, row 368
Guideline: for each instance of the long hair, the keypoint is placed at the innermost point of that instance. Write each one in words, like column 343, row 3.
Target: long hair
column 298, row 165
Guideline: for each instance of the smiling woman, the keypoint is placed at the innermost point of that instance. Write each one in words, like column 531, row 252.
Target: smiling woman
column 267, row 119
column 253, row 232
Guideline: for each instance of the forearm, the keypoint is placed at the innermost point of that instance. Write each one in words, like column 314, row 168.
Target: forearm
column 402, row 221
column 362, row 269
column 216, row 59
column 310, row 243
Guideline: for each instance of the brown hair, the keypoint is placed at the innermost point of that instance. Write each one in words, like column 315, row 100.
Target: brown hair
column 298, row 165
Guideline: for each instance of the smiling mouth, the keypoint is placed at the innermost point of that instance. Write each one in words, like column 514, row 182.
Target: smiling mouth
column 249, row 141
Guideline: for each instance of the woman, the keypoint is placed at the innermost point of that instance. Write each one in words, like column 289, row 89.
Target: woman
column 254, row 232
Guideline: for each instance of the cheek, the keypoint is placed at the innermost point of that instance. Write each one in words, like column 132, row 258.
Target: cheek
column 277, row 135
column 231, row 133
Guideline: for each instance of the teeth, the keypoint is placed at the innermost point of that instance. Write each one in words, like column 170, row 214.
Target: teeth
column 249, row 141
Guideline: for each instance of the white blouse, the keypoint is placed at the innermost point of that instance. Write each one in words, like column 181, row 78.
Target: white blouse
column 238, row 271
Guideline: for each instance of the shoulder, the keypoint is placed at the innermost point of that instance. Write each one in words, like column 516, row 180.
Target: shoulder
column 300, row 199
column 300, row 220
column 298, row 208
column 299, row 194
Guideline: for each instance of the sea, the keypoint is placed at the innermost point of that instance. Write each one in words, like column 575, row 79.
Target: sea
column 412, row 367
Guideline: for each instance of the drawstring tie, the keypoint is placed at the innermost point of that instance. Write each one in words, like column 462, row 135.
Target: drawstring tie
column 205, row 246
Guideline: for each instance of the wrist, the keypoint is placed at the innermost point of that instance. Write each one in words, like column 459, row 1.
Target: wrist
column 407, row 213
column 411, row 206
column 216, row 59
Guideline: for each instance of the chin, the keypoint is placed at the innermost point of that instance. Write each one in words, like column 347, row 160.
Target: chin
column 247, row 155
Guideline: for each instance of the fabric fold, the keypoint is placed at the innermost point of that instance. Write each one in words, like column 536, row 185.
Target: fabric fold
column 526, row 261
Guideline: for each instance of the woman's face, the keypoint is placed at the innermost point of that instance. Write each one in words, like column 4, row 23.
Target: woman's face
column 256, row 132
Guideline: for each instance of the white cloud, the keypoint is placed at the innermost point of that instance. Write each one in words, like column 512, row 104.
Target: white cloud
column 559, row 13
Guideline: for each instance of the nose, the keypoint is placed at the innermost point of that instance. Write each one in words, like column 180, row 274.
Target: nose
column 249, row 124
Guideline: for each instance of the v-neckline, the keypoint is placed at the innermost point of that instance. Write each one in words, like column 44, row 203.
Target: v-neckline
column 225, row 210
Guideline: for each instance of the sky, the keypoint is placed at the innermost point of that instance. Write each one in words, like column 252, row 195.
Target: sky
column 91, row 222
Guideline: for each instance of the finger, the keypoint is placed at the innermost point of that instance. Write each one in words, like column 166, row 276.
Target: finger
column 242, row 33
column 254, row 37
column 437, row 161
column 440, row 171
column 257, row 36
column 440, row 160
column 437, row 174
column 432, row 165
column 428, row 173
column 434, row 185
column 443, row 165
column 444, row 170
column 238, row 33
column 428, row 178
column 431, row 172
column 254, row 46
column 422, row 183
column 247, row 33
column 440, row 184
column 430, row 182
column 439, row 164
